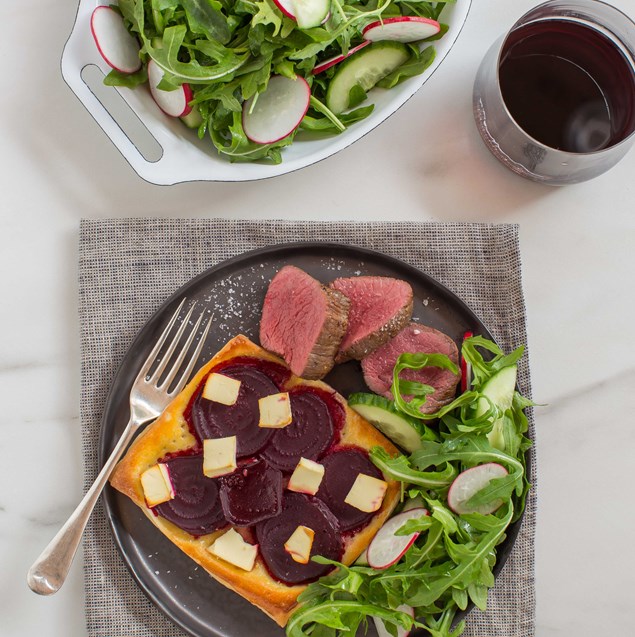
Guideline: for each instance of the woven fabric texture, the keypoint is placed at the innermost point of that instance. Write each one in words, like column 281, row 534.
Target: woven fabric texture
column 128, row 267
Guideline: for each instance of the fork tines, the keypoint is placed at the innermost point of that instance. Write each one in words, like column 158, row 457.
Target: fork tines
column 169, row 356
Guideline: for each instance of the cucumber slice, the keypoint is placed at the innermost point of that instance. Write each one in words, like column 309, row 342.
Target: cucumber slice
column 193, row 119
column 414, row 503
column 382, row 413
column 500, row 390
column 364, row 69
column 362, row 560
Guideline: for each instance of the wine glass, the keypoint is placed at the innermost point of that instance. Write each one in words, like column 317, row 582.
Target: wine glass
column 554, row 98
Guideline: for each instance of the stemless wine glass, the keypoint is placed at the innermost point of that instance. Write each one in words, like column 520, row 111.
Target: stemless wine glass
column 554, row 99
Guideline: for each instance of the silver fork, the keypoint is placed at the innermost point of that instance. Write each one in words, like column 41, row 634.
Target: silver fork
column 148, row 398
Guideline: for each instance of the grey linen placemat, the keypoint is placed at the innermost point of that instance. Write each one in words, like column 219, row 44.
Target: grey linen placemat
column 128, row 267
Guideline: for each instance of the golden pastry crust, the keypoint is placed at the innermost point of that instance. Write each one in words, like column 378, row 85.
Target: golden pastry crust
column 170, row 433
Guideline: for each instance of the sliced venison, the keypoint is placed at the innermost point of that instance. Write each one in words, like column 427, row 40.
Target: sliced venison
column 414, row 338
column 303, row 321
column 380, row 308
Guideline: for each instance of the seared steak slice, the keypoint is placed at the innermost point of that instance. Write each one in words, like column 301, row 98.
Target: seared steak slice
column 380, row 308
column 303, row 321
column 414, row 338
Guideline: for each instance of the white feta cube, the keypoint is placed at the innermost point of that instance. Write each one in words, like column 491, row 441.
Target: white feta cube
column 219, row 456
column 306, row 477
column 367, row 493
column 275, row 411
column 298, row 546
column 221, row 389
column 233, row 549
column 156, row 484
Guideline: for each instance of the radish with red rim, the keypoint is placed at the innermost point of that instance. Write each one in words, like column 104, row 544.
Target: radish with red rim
column 327, row 64
column 307, row 13
column 115, row 43
column 466, row 368
column 274, row 114
column 401, row 29
column 286, row 8
column 380, row 626
column 386, row 548
column 469, row 482
column 173, row 103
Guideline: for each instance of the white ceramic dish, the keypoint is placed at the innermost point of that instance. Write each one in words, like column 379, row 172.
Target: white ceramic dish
column 179, row 155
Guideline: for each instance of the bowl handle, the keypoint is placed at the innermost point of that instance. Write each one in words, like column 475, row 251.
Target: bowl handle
column 83, row 70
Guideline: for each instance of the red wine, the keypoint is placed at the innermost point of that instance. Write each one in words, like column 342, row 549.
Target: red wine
column 568, row 85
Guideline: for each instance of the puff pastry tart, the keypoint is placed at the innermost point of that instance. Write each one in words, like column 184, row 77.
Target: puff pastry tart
column 252, row 471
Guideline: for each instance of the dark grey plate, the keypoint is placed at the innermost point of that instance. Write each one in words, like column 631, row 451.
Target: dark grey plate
column 234, row 291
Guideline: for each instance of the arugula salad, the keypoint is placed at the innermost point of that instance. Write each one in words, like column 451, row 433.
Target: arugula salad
column 252, row 74
column 463, row 484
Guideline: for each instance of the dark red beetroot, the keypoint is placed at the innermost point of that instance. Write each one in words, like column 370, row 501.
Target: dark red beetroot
column 380, row 308
column 213, row 420
column 309, row 435
column 273, row 533
column 251, row 494
column 414, row 338
column 196, row 507
column 303, row 321
column 341, row 468
column 276, row 372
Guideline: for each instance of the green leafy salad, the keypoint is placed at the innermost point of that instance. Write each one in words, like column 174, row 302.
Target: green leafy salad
column 466, row 475
column 224, row 53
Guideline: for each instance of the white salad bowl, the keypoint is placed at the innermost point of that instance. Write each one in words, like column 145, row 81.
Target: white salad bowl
column 163, row 151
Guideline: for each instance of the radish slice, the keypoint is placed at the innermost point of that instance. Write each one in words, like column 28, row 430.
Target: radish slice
column 115, row 43
column 470, row 482
column 327, row 64
column 278, row 111
column 173, row 103
column 307, row 13
column 285, row 7
column 402, row 29
column 386, row 548
column 382, row 631
column 466, row 368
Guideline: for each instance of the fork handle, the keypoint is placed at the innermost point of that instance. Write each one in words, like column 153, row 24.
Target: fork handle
column 49, row 571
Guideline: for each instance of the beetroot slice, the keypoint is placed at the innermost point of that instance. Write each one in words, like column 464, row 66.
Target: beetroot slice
column 213, row 420
column 273, row 533
column 196, row 507
column 309, row 435
column 251, row 494
column 341, row 468
column 380, row 307
column 277, row 373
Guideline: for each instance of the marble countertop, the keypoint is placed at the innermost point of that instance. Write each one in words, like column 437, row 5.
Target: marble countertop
column 427, row 162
